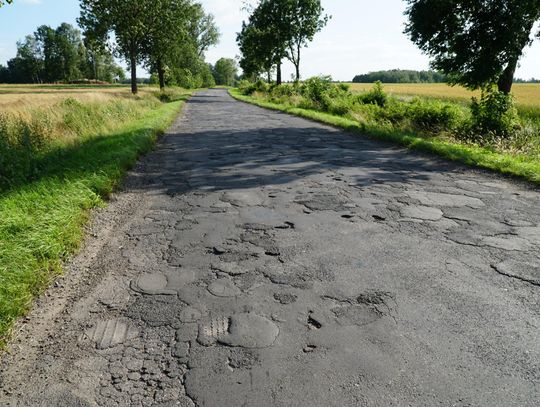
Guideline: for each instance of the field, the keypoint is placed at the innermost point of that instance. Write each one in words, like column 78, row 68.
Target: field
column 22, row 97
column 527, row 94
column 63, row 150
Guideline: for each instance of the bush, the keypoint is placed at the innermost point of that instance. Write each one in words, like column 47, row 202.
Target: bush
column 249, row 88
column 376, row 96
column 494, row 116
column 317, row 90
column 433, row 116
column 326, row 96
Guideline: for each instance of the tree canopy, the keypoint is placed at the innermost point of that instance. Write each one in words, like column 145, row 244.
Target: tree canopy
column 168, row 36
column 278, row 29
column 477, row 43
column 225, row 71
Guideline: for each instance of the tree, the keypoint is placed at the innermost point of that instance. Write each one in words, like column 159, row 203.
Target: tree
column 167, row 28
column 178, row 27
column 305, row 20
column 203, row 29
column 279, row 29
column 477, row 43
column 127, row 19
column 225, row 71
column 4, row 74
column 257, row 54
column 6, row 1
column 30, row 60
column 264, row 38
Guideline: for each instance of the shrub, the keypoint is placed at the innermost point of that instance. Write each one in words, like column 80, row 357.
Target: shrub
column 493, row 116
column 324, row 95
column 376, row 96
column 317, row 89
column 249, row 88
column 433, row 116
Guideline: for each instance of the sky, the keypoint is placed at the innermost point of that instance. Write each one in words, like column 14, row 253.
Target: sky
column 361, row 36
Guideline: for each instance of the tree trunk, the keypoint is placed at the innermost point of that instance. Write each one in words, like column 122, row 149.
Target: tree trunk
column 278, row 75
column 133, row 63
column 269, row 75
column 297, row 65
column 506, row 79
column 161, row 74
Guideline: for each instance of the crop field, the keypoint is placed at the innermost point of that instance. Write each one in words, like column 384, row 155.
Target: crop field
column 527, row 94
column 21, row 97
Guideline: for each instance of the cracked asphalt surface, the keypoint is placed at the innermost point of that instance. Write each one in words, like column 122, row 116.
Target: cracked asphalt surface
column 259, row 259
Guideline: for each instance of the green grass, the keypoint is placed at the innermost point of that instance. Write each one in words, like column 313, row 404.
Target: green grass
column 41, row 221
column 521, row 166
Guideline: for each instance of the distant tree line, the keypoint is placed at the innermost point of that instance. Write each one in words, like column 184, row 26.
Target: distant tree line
column 401, row 76
column 59, row 55
column 532, row 80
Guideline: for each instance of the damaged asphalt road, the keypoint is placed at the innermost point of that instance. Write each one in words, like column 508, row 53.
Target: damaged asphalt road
column 259, row 259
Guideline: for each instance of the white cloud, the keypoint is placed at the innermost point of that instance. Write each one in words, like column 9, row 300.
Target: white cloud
column 32, row 2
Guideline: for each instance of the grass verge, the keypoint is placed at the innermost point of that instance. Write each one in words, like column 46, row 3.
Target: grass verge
column 524, row 167
column 41, row 221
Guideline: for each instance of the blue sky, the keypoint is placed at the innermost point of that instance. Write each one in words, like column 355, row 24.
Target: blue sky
column 363, row 35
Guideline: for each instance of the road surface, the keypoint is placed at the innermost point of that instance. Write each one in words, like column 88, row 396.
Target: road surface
column 259, row 259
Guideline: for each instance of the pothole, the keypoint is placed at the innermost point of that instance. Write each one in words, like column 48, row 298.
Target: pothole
column 309, row 348
column 313, row 322
column 246, row 330
column 152, row 284
column 224, row 288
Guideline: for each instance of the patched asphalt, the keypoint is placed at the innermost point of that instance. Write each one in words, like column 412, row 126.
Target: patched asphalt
column 260, row 259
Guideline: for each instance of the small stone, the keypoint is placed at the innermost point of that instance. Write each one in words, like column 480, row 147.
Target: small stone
column 134, row 365
column 285, row 298
column 134, row 376
column 181, row 350
column 219, row 250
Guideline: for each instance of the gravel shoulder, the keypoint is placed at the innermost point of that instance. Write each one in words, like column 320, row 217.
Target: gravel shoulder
column 260, row 259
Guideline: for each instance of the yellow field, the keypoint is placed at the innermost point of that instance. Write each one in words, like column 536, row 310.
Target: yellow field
column 22, row 97
column 527, row 94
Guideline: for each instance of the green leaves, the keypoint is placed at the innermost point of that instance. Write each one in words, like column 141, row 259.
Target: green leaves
column 225, row 71
column 158, row 33
column 278, row 29
column 475, row 42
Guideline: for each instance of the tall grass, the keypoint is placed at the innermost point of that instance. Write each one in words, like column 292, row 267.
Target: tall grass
column 62, row 161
